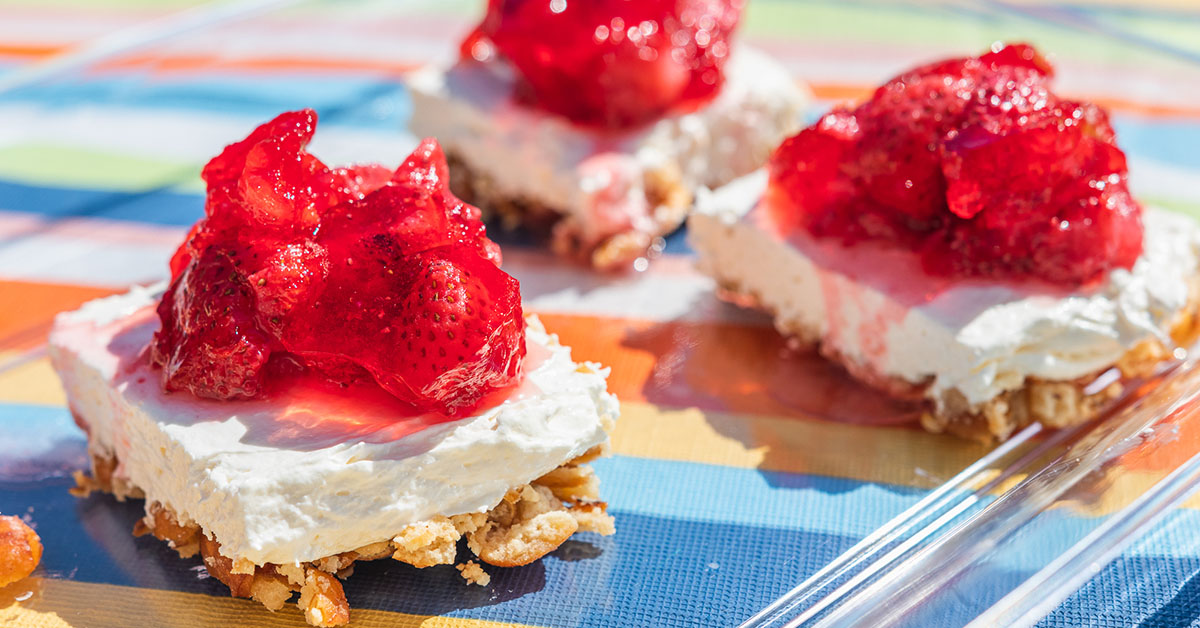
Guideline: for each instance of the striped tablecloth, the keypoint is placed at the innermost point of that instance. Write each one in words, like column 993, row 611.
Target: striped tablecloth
column 740, row 467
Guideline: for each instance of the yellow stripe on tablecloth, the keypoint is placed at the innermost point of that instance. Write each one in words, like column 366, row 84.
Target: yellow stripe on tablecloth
column 33, row 382
column 890, row 455
column 65, row 604
column 1114, row 489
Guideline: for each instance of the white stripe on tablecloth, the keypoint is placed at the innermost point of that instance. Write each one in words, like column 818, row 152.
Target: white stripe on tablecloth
column 179, row 134
column 111, row 253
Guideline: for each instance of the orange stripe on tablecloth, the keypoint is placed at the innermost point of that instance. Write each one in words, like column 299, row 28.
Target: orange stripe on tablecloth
column 34, row 51
column 1149, row 460
column 830, row 91
column 27, row 309
column 1170, row 445
column 195, row 62
column 726, row 367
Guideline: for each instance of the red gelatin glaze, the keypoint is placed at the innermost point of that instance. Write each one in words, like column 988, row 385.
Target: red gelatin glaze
column 610, row 63
column 975, row 164
column 351, row 274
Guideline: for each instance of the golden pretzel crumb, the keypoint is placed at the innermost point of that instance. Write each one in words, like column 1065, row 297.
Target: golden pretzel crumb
column 322, row 600
column 160, row 522
column 571, row 484
column 20, row 550
column 473, row 573
column 525, row 526
column 427, row 543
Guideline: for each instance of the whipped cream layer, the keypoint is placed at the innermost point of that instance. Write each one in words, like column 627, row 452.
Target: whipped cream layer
column 285, row 481
column 598, row 176
column 877, row 311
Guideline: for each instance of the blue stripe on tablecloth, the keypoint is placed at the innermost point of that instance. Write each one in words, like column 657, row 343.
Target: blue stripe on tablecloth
column 1155, row 583
column 750, row 496
column 168, row 207
column 355, row 100
column 1166, row 140
column 159, row 206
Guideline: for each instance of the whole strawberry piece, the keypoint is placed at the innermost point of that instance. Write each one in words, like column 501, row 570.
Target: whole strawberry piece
column 463, row 317
column 611, row 63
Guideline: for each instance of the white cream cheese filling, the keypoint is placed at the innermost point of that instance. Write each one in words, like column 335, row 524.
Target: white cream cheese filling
column 877, row 310
column 277, row 483
column 597, row 176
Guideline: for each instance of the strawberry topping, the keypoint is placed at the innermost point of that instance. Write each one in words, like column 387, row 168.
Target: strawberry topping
column 974, row 163
column 610, row 63
column 350, row 274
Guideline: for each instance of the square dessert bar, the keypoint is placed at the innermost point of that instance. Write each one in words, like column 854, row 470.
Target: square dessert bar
column 986, row 358
column 602, row 196
column 282, row 493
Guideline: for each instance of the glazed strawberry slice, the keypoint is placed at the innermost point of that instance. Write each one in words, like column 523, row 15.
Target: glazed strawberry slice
column 285, row 279
column 416, row 205
column 1018, row 56
column 274, row 186
column 808, row 164
column 210, row 343
column 293, row 127
column 440, row 328
column 463, row 317
column 352, row 183
column 268, row 182
column 1041, row 212
column 896, row 162
column 611, row 63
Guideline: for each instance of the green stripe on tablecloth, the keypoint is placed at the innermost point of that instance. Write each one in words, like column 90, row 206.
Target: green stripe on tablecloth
column 101, row 5
column 49, row 164
column 1190, row 208
column 970, row 28
column 1182, row 34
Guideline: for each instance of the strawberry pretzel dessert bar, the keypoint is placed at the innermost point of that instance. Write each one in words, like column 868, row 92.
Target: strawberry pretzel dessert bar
column 594, row 123
column 338, row 371
column 964, row 238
